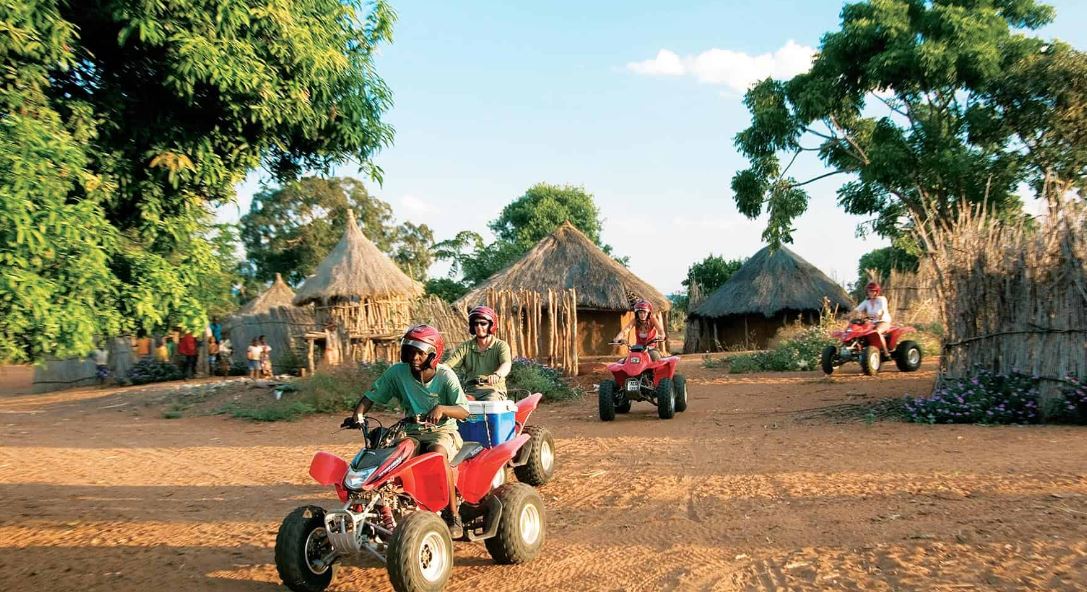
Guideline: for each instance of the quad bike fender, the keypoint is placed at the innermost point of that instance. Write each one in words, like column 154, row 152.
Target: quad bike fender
column 328, row 469
column 525, row 407
column 474, row 476
column 425, row 478
column 666, row 368
column 895, row 335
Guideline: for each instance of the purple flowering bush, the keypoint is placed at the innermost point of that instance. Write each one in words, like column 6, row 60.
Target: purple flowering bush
column 985, row 397
column 534, row 377
column 1072, row 407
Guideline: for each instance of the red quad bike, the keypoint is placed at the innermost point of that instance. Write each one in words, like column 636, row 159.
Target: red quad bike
column 860, row 342
column 392, row 505
column 535, row 462
column 639, row 378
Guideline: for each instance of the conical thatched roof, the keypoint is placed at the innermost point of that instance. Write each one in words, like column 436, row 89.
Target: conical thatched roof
column 278, row 294
column 356, row 268
column 567, row 258
column 772, row 282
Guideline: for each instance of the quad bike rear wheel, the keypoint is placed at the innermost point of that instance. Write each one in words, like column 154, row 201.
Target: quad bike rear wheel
column 541, row 457
column 606, row 396
column 908, row 356
column 871, row 358
column 829, row 360
column 679, row 383
column 666, row 399
column 521, row 526
column 302, row 547
column 420, row 554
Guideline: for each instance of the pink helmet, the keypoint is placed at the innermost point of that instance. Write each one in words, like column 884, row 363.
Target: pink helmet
column 645, row 305
column 426, row 339
column 486, row 313
column 874, row 286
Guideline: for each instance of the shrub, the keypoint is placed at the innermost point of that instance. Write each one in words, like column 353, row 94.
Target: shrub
column 146, row 371
column 1072, row 406
column 535, row 377
column 710, row 362
column 985, row 397
column 800, row 350
column 335, row 390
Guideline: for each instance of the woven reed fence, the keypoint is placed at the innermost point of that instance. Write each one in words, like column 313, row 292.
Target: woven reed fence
column 912, row 296
column 56, row 374
column 539, row 325
column 433, row 311
column 1013, row 298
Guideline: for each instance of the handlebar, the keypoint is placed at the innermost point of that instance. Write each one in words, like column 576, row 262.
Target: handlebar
column 365, row 425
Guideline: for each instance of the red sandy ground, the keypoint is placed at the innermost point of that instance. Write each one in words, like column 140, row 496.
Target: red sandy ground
column 761, row 485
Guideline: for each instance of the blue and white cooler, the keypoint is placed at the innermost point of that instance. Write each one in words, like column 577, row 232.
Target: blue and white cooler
column 489, row 422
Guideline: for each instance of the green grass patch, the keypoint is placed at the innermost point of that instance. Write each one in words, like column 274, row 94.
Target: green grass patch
column 336, row 390
column 534, row 377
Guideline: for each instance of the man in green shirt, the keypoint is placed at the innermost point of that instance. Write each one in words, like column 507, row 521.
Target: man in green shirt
column 422, row 386
column 484, row 360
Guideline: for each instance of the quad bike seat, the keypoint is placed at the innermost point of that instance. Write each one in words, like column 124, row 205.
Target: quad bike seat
column 469, row 450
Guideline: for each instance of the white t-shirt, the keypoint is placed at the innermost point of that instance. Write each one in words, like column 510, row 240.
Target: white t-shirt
column 875, row 309
column 101, row 357
column 254, row 352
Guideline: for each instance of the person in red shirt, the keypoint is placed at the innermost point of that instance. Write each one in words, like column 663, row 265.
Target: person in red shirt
column 187, row 348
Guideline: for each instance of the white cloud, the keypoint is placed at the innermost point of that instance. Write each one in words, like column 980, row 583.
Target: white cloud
column 667, row 63
column 417, row 205
column 733, row 69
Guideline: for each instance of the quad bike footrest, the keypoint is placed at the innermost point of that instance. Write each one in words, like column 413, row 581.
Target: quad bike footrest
column 491, row 518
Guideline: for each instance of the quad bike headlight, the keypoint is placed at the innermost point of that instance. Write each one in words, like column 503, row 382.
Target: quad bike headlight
column 355, row 479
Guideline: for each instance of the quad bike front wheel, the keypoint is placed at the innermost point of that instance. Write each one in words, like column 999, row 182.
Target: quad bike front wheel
column 606, row 396
column 521, row 526
column 541, row 457
column 829, row 360
column 679, row 383
column 666, row 399
column 908, row 356
column 420, row 555
column 871, row 358
column 303, row 552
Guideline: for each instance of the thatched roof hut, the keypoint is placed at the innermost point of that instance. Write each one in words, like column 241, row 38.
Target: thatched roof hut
column 282, row 324
column 772, row 288
column 278, row 294
column 356, row 270
column 362, row 301
column 567, row 258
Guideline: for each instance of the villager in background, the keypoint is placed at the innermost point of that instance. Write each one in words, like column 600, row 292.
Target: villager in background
column 213, row 354
column 189, row 351
column 252, row 356
column 265, row 357
column 101, row 363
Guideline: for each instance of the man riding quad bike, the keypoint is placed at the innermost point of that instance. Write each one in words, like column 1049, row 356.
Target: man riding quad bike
column 483, row 361
column 413, row 487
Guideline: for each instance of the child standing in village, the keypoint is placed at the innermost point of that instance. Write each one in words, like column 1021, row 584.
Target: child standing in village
column 101, row 363
column 213, row 355
column 265, row 358
column 253, row 355
column 162, row 353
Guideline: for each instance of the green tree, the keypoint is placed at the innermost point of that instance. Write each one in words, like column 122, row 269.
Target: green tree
column 711, row 272
column 519, row 226
column 447, row 289
column 883, row 260
column 899, row 99
column 124, row 122
column 290, row 229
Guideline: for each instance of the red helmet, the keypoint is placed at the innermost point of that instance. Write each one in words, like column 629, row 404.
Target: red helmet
column 874, row 286
column 486, row 313
column 426, row 339
column 645, row 305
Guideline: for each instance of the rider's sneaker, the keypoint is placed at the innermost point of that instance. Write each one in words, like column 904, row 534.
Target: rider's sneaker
column 456, row 528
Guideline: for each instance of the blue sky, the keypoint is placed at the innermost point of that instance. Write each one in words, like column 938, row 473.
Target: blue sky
column 492, row 97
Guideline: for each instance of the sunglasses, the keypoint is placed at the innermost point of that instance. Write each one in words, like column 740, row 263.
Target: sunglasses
column 480, row 323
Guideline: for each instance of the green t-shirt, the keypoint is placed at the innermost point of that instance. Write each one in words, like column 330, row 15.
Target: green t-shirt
column 473, row 363
column 417, row 398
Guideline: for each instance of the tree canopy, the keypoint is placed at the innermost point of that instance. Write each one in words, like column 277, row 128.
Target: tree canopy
column 711, row 272
column 290, row 229
column 125, row 122
column 911, row 99
column 519, row 226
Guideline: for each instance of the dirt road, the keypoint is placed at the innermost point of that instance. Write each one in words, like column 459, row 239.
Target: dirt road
column 763, row 484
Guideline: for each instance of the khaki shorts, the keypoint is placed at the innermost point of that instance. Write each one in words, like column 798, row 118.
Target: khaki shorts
column 451, row 441
column 486, row 393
